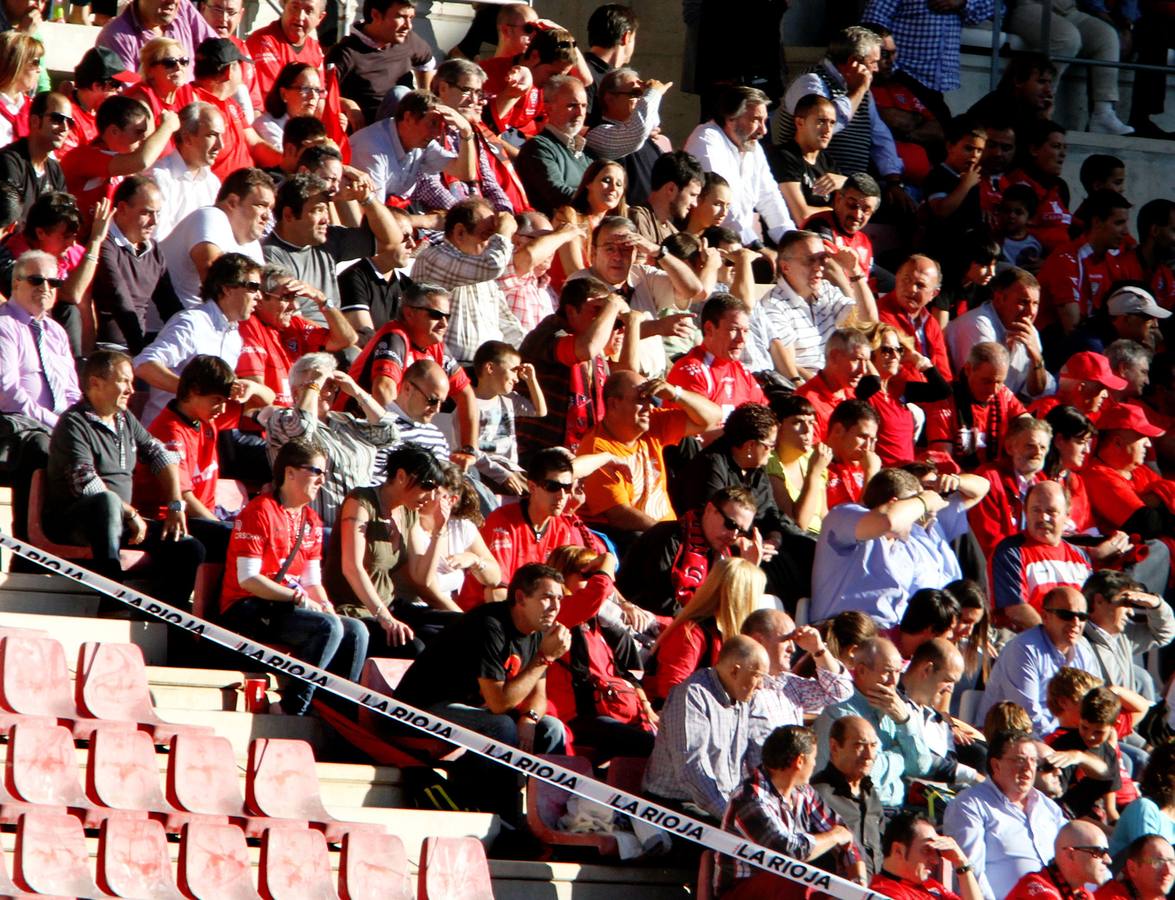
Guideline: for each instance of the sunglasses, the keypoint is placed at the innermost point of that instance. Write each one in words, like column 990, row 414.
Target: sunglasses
column 250, row 286
column 430, row 399
column 314, row 470
column 890, row 351
column 731, row 525
column 1102, row 852
column 1069, row 615
column 38, row 280
column 435, row 314
column 110, row 84
column 171, row 63
column 308, row 91
column 555, row 487
column 427, row 484
column 60, row 119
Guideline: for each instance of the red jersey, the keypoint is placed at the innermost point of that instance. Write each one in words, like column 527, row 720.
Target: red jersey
column 84, row 130
column 267, row 531
column 1050, row 223
column 249, row 76
column 988, row 424
column 268, row 352
column 991, row 192
column 895, row 95
column 903, row 889
column 1072, row 274
column 724, row 381
column 823, row 399
column 87, row 176
column 390, row 352
column 271, row 50
column 1000, row 514
column 1116, row 497
column 895, row 433
column 824, row 224
column 1161, row 281
column 1023, row 570
column 846, row 483
column 1045, row 885
column 927, row 335
column 511, row 538
column 195, row 444
column 527, row 115
column 235, row 153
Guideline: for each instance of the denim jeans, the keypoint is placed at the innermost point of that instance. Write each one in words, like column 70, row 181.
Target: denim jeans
column 335, row 643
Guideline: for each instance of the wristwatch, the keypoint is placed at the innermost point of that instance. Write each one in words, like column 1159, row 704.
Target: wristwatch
column 177, row 506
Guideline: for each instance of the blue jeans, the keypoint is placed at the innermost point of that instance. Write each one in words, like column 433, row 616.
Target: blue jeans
column 335, row 643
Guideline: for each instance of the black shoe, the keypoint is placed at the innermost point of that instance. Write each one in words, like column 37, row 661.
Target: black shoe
column 1148, row 129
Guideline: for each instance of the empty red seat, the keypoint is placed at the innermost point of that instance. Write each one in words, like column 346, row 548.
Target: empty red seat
column 133, row 860
column 51, row 856
column 42, row 769
column 131, row 559
column 546, row 804
column 112, row 685
column 382, row 676
column 214, row 863
column 35, row 682
column 454, row 868
column 295, row 865
column 202, row 779
column 8, row 888
column 282, row 783
column 123, row 774
column 627, row 772
column 374, row 867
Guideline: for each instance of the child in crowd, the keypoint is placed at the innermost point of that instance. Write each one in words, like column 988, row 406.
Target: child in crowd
column 1020, row 247
column 1099, row 172
column 952, row 187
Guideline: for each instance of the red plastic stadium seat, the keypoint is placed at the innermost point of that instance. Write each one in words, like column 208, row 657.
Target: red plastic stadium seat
column 131, row 559
column 295, row 865
column 382, row 676
column 133, row 860
column 374, row 867
column 35, row 682
column 282, row 783
column 214, row 863
column 545, row 805
column 51, row 856
column 202, row 779
column 626, row 773
column 705, row 889
column 42, row 769
column 112, row 685
column 454, row 868
column 123, row 774
column 206, row 594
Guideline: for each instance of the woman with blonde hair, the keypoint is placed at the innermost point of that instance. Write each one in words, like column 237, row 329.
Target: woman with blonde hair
column 904, row 378
column 20, row 71
column 167, row 76
column 600, row 194
column 716, row 612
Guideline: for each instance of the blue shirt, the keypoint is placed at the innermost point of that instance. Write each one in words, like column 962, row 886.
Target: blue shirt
column 903, row 748
column 1143, row 816
column 1022, row 673
column 878, row 576
column 928, row 41
column 1001, row 840
column 377, row 150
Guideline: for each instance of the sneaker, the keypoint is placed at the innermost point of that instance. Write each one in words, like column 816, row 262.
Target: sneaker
column 1108, row 123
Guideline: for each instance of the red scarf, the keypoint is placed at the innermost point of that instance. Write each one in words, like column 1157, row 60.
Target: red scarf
column 692, row 563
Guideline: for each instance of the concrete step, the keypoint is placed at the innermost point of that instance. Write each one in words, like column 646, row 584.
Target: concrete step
column 73, row 631
column 240, row 727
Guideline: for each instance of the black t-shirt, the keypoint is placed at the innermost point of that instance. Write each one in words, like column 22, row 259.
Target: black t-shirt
column 940, row 182
column 366, row 73
column 1082, row 792
column 484, row 643
column 362, row 287
column 791, row 166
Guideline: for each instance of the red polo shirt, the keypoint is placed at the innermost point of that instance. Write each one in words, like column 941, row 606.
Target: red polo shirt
column 265, row 531
column 1001, row 513
column 930, row 342
column 724, row 381
column 1072, row 274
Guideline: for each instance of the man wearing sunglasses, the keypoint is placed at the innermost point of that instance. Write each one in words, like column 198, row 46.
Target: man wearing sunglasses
column 1029, row 660
column 29, row 164
column 1082, row 857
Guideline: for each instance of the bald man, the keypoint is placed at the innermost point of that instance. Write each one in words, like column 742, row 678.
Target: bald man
column 1082, row 857
column 846, row 786
column 929, row 682
column 705, row 730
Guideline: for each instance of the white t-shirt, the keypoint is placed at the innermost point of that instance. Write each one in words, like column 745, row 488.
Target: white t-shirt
column 207, row 225
column 462, row 534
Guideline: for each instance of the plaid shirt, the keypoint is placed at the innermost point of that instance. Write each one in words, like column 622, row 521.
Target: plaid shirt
column 529, row 296
column 759, row 813
column 928, row 41
column 785, row 698
column 434, row 191
column 480, row 310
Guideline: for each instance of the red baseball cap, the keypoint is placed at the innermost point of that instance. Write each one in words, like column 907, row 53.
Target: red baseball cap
column 1091, row 366
column 1127, row 417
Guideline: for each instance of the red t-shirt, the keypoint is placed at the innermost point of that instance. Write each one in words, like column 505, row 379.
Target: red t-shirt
column 1040, row 886
column 903, row 889
column 823, row 399
column 265, row 530
column 846, row 483
column 1050, row 224
column 271, row 50
column 527, row 114
column 724, row 381
column 1024, row 570
column 199, row 467
column 87, row 176
column 1116, row 497
column 898, row 96
column 267, row 353
column 1071, row 274
column 824, row 224
column 235, row 153
column 895, row 434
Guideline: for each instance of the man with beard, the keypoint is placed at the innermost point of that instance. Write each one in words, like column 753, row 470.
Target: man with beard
column 185, row 178
column 729, row 146
column 843, row 227
column 29, row 163
column 552, row 163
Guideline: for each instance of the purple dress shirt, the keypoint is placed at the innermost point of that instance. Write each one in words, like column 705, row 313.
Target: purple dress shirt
column 124, row 34
column 23, row 388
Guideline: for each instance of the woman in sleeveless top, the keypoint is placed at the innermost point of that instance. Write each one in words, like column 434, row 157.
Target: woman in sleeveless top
column 600, row 194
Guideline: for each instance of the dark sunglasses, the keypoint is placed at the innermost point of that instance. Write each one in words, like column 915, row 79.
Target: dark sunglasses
column 554, row 487
column 431, row 399
column 38, row 280
column 60, row 119
column 1069, row 615
column 1102, row 852
column 890, row 351
column 731, row 525
column 426, row 484
column 247, row 285
column 435, row 314
column 110, row 84
column 314, row 470
column 172, row 63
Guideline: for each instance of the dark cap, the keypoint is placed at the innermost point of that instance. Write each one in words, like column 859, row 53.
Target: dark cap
column 214, row 55
column 102, row 64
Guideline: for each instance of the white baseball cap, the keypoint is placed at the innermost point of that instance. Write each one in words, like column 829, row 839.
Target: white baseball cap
column 1131, row 299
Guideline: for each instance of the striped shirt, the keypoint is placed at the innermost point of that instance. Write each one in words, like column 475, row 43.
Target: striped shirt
column 615, row 140
column 806, row 325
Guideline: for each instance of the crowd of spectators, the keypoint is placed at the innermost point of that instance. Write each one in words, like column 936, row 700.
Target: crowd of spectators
column 630, row 441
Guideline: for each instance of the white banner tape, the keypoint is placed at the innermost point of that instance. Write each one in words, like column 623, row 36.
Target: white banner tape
column 631, row 805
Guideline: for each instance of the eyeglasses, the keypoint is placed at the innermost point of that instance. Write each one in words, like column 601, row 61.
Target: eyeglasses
column 435, row 314
column 1096, row 852
column 171, row 63
column 467, row 91
column 1158, row 861
column 731, row 525
column 314, row 470
column 251, row 286
column 551, row 486
column 38, row 280
column 60, row 119
column 307, row 90
column 225, row 11
column 430, row 399
column 1068, row 615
